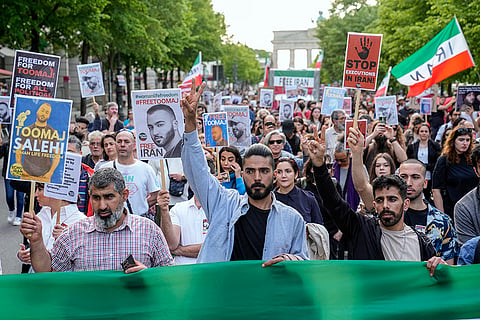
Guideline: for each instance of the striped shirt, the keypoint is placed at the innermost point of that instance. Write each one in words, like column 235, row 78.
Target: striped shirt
column 86, row 247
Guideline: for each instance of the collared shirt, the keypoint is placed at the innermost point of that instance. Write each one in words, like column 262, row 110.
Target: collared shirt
column 223, row 207
column 467, row 252
column 193, row 226
column 86, row 247
column 68, row 216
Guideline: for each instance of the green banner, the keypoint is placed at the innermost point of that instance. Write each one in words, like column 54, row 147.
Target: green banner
column 245, row 290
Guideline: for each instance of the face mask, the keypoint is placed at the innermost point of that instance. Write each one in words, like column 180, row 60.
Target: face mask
column 301, row 105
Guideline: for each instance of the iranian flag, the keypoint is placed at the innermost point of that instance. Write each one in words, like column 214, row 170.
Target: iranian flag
column 445, row 55
column 195, row 73
column 383, row 87
column 267, row 70
column 318, row 64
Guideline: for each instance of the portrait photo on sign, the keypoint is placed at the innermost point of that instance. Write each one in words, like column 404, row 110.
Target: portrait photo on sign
column 91, row 80
column 215, row 128
column 5, row 111
column 386, row 107
column 266, row 98
column 426, row 106
column 332, row 99
column 39, row 141
column 468, row 96
column 159, row 124
column 286, row 110
column 238, row 126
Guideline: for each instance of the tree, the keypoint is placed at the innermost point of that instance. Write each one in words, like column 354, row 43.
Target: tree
column 243, row 59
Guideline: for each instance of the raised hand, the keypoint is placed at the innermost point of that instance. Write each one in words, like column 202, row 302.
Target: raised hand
column 189, row 106
column 366, row 45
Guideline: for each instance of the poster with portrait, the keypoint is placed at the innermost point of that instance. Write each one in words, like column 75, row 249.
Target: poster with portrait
column 67, row 191
column 286, row 109
column 332, row 99
column 215, row 129
column 291, row 92
column 226, row 100
column 426, row 106
column 158, row 123
column 91, row 80
column 34, row 74
column 207, row 97
column 387, row 107
column 266, row 98
column 362, row 126
column 468, row 96
column 347, row 105
column 5, row 111
column 39, row 139
column 236, row 99
column 238, row 120
column 217, row 102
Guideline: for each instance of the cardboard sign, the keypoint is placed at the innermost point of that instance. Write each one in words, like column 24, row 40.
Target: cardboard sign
column 286, row 110
column 34, row 74
column 91, row 80
column 362, row 126
column 347, row 105
column 39, row 139
column 215, row 128
column 361, row 61
column 387, row 107
column 71, row 180
column 332, row 99
column 239, row 134
column 158, row 123
column 266, row 98
column 426, row 106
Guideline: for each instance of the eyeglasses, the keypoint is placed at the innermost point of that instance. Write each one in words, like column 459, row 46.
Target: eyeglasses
column 269, row 124
column 275, row 142
column 463, row 131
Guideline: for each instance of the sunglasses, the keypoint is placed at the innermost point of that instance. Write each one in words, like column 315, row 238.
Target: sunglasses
column 275, row 142
column 463, row 131
column 269, row 124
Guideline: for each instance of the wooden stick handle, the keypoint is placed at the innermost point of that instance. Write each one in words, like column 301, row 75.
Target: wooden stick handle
column 162, row 173
column 358, row 95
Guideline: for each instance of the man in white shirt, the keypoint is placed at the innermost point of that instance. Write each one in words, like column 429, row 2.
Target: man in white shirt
column 338, row 120
column 185, row 227
column 139, row 176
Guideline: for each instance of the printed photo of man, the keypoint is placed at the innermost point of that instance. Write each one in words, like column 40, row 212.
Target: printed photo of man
column 163, row 127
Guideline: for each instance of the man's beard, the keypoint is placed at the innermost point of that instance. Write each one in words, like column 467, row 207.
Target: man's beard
column 163, row 141
column 110, row 220
column 257, row 194
column 381, row 142
column 390, row 221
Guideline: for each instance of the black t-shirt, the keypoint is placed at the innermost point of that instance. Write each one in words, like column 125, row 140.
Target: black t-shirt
column 416, row 219
column 249, row 236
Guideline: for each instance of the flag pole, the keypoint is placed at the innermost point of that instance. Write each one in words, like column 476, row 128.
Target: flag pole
column 162, row 174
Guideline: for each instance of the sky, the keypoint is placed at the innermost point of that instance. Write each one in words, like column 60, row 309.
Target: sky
column 253, row 22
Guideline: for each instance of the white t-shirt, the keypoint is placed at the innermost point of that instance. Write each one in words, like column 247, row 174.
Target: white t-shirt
column 140, row 181
column 172, row 165
column 331, row 141
column 193, row 226
column 400, row 245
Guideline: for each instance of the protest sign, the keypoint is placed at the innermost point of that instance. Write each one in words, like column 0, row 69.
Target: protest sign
column 238, row 126
column 426, row 106
column 266, row 98
column 215, row 128
column 207, row 97
column 362, row 127
column 217, row 102
column 467, row 97
column 285, row 111
column 332, row 99
column 235, row 99
column 67, row 191
column 387, row 107
column 347, row 105
column 121, row 80
column 361, row 61
column 39, row 139
column 308, row 79
column 5, row 111
column 158, row 123
column 34, row 74
column 291, row 92
column 226, row 100
column 91, row 80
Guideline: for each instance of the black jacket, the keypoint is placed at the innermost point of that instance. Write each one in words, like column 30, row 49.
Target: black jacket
column 364, row 233
column 434, row 150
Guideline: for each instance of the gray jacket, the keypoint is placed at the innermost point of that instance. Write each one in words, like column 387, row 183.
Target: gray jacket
column 467, row 216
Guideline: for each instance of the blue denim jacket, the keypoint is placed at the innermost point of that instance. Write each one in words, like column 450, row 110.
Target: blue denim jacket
column 223, row 207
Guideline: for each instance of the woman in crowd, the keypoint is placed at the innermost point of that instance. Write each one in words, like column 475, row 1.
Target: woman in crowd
column 315, row 119
column 128, row 123
column 109, row 147
column 199, row 125
column 288, row 193
column 427, row 151
column 300, row 127
column 231, row 163
column 453, row 175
